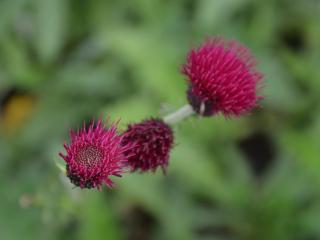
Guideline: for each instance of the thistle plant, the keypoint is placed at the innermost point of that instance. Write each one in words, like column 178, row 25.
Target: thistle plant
column 153, row 140
column 222, row 79
column 94, row 154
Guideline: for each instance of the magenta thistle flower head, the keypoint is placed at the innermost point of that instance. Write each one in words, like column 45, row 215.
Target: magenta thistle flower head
column 222, row 78
column 153, row 141
column 94, row 154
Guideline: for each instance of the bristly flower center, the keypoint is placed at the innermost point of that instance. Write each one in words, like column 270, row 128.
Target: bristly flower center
column 89, row 156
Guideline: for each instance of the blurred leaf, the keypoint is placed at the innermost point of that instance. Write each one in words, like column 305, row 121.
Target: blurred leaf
column 51, row 26
column 131, row 110
column 280, row 90
column 97, row 219
column 17, row 64
column 212, row 13
column 304, row 150
column 153, row 60
column 9, row 10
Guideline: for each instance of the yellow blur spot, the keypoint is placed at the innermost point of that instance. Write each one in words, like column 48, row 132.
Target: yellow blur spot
column 15, row 113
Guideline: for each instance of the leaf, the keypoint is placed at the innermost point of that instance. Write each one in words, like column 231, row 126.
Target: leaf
column 51, row 27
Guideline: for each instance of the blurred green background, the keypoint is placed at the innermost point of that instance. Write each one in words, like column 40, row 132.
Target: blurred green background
column 63, row 62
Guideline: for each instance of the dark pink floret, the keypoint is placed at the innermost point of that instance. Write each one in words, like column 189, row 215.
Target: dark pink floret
column 94, row 154
column 153, row 141
column 222, row 78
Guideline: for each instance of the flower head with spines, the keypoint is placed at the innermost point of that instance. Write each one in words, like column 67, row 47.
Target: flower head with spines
column 153, row 140
column 222, row 78
column 94, row 154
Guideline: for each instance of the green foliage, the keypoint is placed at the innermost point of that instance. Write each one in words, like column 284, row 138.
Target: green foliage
column 81, row 59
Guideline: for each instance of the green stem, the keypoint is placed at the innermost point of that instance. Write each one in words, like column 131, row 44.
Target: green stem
column 179, row 115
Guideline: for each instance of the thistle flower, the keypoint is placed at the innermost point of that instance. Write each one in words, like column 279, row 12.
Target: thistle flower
column 222, row 78
column 153, row 141
column 94, row 154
